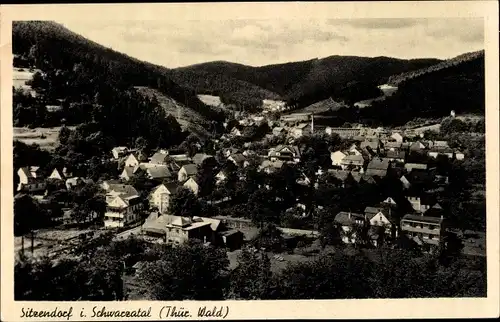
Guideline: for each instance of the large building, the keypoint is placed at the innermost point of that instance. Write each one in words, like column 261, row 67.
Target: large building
column 424, row 230
column 123, row 206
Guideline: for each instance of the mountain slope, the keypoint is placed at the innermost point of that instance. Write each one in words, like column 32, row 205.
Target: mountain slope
column 301, row 83
column 456, row 84
column 51, row 47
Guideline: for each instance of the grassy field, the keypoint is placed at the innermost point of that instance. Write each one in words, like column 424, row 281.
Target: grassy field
column 46, row 138
column 187, row 118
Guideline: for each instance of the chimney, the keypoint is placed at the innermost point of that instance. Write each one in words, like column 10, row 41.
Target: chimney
column 349, row 215
column 312, row 123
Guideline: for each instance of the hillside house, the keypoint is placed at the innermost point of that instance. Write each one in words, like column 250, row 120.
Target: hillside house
column 396, row 156
column 377, row 167
column 76, row 181
column 134, row 159
column 30, row 179
column 353, row 162
column 123, row 206
column 159, row 173
column 159, row 158
column 418, row 147
column 435, row 151
column 398, row 137
column 198, row 158
column 192, row 185
column 300, row 130
column 119, row 152
column 459, row 155
column 373, row 144
column 235, row 131
column 161, row 195
column 285, row 153
column 58, row 174
column 343, row 132
column 382, row 217
column 228, row 151
column 417, row 179
column 337, row 158
column 277, row 131
column 270, row 166
column 424, row 230
column 393, row 146
column 349, row 225
column 238, row 159
column 187, row 171
column 179, row 158
column 421, row 203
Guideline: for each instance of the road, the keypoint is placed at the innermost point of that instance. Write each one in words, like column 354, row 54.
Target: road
column 125, row 234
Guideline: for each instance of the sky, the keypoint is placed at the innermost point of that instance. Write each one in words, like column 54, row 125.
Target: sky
column 264, row 42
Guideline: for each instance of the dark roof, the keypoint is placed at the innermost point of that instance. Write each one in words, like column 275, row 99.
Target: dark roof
column 342, row 175
column 172, row 186
column 347, row 219
column 238, row 157
column 198, row 158
column 421, row 218
column 378, row 164
column 191, row 169
column 159, row 172
column 230, row 232
column 159, row 158
column 396, row 154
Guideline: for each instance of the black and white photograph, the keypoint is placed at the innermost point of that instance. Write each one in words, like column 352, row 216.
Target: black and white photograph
column 199, row 159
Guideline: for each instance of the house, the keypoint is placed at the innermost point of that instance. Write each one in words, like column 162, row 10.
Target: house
column 161, row 194
column 134, row 159
column 179, row 158
column 398, row 156
column 30, row 179
column 235, row 131
column 127, row 173
column 374, row 144
column 106, row 185
column 424, row 230
column 396, row 136
column 122, row 207
column 159, row 173
column 459, row 155
column 435, row 151
column 348, row 222
column 437, row 144
column 160, row 158
column 353, row 162
column 417, row 147
column 277, row 131
column 344, row 177
column 421, row 203
column 393, row 146
column 228, row 151
column 192, row 185
column 270, row 166
column 198, row 158
column 382, row 217
column 411, row 166
column 57, row 174
column 285, row 153
column 354, row 149
column 377, row 167
column 220, row 177
column 116, row 189
column 301, row 130
column 417, row 179
column 76, row 181
column 119, row 152
column 178, row 230
column 337, row 157
column 187, row 171
column 232, row 239
column 343, row 132
column 238, row 159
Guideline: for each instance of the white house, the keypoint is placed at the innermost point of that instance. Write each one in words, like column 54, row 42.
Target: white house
column 459, row 155
column 132, row 160
column 58, row 174
column 220, row 177
column 187, row 171
column 192, row 185
column 119, row 151
column 161, row 194
column 396, row 136
column 337, row 157
column 348, row 222
column 30, row 179
column 122, row 210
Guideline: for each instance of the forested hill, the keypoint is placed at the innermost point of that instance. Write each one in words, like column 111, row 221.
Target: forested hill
column 51, row 47
column 300, row 83
column 459, row 60
column 456, row 84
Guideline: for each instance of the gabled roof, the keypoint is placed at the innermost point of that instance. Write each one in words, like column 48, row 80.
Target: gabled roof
column 122, row 189
column 159, row 158
column 416, row 166
column 342, row 175
column 370, row 212
column 421, row 218
column 159, row 172
column 181, row 221
column 353, row 159
column 191, row 169
column 378, row 164
column 214, row 223
column 129, row 171
column 373, row 144
column 348, row 219
column 396, row 154
column 238, row 157
column 198, row 158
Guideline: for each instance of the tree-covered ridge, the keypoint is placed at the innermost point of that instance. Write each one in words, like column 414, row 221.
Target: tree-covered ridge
column 464, row 58
column 299, row 83
column 93, row 68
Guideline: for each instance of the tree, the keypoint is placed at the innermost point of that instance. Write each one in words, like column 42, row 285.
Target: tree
column 252, row 279
column 27, row 215
column 184, row 203
column 188, row 272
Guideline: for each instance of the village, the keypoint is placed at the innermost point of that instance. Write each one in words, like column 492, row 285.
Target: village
column 373, row 154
